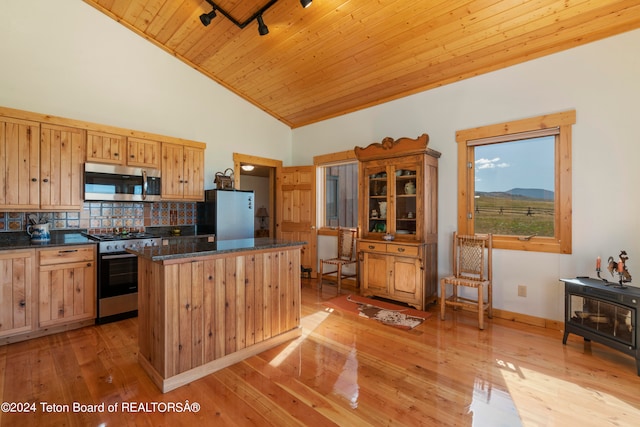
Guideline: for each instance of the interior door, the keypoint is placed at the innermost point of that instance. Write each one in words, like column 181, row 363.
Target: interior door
column 296, row 210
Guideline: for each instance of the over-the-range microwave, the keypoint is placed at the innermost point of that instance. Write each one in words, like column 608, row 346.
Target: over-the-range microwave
column 121, row 183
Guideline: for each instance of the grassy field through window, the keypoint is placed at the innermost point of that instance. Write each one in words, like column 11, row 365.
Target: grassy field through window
column 519, row 216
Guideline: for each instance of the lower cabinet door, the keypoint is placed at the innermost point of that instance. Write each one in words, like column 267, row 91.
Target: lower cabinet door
column 376, row 273
column 66, row 293
column 407, row 280
column 15, row 293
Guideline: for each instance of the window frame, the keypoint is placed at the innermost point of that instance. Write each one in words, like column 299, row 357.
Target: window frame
column 505, row 132
column 321, row 162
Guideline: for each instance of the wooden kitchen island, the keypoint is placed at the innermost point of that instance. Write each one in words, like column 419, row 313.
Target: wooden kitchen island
column 203, row 306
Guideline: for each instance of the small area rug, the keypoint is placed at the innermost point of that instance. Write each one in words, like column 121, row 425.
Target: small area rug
column 383, row 312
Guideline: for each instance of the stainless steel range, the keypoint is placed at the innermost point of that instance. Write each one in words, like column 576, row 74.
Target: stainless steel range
column 118, row 274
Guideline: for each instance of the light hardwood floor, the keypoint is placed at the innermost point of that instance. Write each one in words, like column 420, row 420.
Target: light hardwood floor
column 344, row 370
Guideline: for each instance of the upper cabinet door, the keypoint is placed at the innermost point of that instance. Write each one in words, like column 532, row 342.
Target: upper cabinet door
column 182, row 172
column 193, row 173
column 172, row 171
column 106, row 148
column 143, row 153
column 19, row 164
column 62, row 151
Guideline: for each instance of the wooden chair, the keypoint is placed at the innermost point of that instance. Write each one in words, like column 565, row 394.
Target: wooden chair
column 472, row 268
column 346, row 256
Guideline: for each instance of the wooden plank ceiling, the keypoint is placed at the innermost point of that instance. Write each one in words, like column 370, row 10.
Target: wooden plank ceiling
column 339, row 56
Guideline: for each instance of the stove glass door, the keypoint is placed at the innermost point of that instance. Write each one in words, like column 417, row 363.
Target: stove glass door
column 607, row 318
column 118, row 274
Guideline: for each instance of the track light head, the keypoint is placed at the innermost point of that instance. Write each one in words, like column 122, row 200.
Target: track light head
column 306, row 3
column 206, row 18
column 262, row 29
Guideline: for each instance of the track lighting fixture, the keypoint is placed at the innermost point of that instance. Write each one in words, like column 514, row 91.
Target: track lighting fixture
column 262, row 29
column 206, row 18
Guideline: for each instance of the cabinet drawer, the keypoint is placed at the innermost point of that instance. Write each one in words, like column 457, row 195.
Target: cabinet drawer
column 373, row 247
column 402, row 250
column 66, row 254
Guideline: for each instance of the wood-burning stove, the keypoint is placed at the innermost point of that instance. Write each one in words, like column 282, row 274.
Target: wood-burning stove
column 603, row 312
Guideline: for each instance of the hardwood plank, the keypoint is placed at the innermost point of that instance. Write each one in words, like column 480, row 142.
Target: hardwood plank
column 184, row 317
column 239, row 303
column 250, row 300
column 230, row 305
column 220, row 313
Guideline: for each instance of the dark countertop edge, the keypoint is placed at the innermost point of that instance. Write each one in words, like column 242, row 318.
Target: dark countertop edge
column 259, row 244
column 608, row 285
column 20, row 240
column 186, row 231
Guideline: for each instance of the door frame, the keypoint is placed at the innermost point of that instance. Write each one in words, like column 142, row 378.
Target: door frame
column 242, row 159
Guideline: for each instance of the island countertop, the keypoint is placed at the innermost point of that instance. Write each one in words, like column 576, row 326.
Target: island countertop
column 171, row 249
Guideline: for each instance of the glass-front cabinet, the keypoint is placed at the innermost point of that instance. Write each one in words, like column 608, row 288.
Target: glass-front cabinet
column 392, row 194
column 397, row 246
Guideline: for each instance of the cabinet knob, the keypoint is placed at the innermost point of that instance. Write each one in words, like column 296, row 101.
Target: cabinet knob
column 45, row 180
column 132, row 156
column 22, row 303
column 400, row 249
column 371, row 247
column 88, row 264
column 34, row 179
column 186, row 182
column 116, row 154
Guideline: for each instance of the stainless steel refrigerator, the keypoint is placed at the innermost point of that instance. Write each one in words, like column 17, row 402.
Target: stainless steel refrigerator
column 229, row 214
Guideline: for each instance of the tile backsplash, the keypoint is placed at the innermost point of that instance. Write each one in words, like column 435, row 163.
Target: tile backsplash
column 108, row 215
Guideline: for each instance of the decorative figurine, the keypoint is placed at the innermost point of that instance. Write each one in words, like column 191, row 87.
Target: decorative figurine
column 618, row 267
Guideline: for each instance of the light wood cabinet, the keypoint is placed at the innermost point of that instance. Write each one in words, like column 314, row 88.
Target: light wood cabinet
column 143, row 153
column 398, row 201
column 393, row 271
column 66, row 285
column 106, row 148
column 20, row 164
column 41, row 167
column 121, row 150
column 16, row 312
column 62, row 154
column 182, row 172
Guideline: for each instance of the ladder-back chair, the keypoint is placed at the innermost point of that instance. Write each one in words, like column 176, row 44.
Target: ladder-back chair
column 345, row 257
column 472, row 268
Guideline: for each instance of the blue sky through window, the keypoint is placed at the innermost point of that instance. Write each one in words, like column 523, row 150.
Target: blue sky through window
column 527, row 163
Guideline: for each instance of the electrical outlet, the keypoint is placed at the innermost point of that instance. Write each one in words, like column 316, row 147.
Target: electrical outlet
column 522, row 291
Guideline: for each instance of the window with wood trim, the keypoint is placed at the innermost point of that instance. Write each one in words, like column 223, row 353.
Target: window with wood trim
column 514, row 181
column 338, row 190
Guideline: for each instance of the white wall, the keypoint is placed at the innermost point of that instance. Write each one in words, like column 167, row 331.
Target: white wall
column 67, row 59
column 600, row 81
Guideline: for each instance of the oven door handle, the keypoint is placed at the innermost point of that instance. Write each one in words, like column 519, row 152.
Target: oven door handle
column 118, row 256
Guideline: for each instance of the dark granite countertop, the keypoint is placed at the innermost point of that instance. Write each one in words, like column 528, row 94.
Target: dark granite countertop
column 166, row 232
column 20, row 240
column 197, row 246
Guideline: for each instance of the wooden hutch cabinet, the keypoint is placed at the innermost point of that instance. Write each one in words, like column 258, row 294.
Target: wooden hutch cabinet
column 398, row 208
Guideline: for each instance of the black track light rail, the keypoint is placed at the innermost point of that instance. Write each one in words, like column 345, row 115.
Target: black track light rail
column 248, row 20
